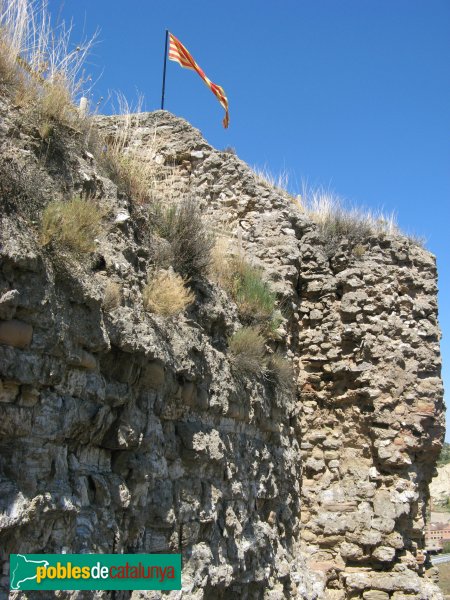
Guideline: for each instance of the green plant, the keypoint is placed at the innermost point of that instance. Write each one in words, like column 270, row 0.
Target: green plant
column 253, row 295
column 166, row 294
column 74, row 224
column 190, row 241
column 245, row 283
column 247, row 349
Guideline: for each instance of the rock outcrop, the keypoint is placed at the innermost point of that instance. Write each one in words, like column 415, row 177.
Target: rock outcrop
column 124, row 431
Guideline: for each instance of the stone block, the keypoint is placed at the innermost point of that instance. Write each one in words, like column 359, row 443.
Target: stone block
column 8, row 391
column 384, row 553
column 188, row 393
column 153, row 375
column 351, row 551
column 375, row 595
column 15, row 333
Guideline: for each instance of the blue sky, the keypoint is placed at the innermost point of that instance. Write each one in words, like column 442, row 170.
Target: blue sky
column 353, row 95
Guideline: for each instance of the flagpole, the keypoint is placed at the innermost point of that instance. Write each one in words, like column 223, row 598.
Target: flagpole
column 164, row 71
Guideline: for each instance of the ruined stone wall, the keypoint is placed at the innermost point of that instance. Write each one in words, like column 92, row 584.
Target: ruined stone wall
column 126, row 432
column 371, row 414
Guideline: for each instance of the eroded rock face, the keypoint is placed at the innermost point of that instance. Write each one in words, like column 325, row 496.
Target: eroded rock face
column 127, row 432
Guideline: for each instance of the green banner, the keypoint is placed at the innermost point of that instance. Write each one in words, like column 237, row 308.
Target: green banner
column 95, row 571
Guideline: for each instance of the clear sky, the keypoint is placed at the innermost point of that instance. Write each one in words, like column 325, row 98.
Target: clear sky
column 351, row 95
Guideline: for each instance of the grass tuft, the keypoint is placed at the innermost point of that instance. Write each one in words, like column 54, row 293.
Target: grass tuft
column 336, row 223
column 37, row 62
column 112, row 296
column 166, row 294
column 280, row 371
column 190, row 241
column 247, row 348
column 253, row 295
column 73, row 225
column 278, row 182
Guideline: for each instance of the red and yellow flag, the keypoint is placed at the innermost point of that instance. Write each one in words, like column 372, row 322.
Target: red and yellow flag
column 179, row 54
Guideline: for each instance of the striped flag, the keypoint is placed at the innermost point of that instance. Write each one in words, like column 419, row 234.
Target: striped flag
column 179, row 54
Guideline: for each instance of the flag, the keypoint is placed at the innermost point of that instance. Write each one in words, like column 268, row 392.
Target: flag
column 179, row 54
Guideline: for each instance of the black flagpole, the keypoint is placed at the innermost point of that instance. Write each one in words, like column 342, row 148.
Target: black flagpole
column 164, row 71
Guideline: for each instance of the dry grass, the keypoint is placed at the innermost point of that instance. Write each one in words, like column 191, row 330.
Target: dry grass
column 125, row 168
column 112, row 296
column 133, row 175
column 55, row 103
column 336, row 223
column 220, row 270
column 247, row 348
column 359, row 250
column 327, row 210
column 134, row 170
column 73, row 225
column 38, row 63
column 166, row 294
column 9, row 76
column 278, row 182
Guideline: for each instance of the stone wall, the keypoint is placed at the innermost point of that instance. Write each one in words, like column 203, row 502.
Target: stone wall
column 127, row 432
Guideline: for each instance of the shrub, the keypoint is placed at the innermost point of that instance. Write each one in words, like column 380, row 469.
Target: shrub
column 74, row 224
column 190, row 242
column 252, row 294
column 166, row 294
column 280, row 371
column 247, row 348
column 244, row 282
column 112, row 296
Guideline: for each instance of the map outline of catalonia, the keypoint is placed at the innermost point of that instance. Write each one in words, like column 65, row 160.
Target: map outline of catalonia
column 16, row 586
